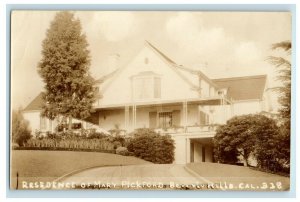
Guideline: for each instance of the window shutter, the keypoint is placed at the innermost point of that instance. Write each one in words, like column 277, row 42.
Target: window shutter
column 202, row 118
column 176, row 118
column 152, row 119
column 207, row 120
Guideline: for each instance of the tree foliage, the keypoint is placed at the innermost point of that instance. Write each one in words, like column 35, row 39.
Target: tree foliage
column 64, row 68
column 151, row 146
column 20, row 128
column 246, row 135
column 283, row 66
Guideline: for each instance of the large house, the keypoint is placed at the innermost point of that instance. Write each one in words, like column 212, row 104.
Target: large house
column 152, row 91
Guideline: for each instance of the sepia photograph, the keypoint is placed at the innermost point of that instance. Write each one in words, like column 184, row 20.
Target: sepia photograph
column 150, row 100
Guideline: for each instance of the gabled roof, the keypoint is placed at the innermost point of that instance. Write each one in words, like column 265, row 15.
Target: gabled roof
column 35, row 104
column 193, row 74
column 243, row 88
column 105, row 77
column 161, row 53
column 108, row 79
column 174, row 66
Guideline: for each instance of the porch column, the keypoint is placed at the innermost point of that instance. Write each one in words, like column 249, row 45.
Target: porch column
column 133, row 116
column 126, row 118
column 184, row 114
column 224, row 111
column 188, row 150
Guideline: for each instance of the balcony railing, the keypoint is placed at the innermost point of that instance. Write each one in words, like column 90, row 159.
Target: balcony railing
column 187, row 129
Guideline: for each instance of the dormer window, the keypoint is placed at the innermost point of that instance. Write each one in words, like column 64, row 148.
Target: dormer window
column 146, row 86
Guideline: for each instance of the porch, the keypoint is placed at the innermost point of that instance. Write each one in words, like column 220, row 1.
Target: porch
column 191, row 116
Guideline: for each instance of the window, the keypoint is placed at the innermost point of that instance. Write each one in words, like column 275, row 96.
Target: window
column 143, row 88
column 146, row 85
column 165, row 119
column 204, row 118
column 156, row 87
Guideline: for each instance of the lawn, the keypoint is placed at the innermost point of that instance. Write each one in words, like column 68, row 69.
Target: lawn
column 33, row 166
column 239, row 176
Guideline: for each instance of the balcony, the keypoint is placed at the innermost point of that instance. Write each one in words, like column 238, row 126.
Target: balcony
column 188, row 129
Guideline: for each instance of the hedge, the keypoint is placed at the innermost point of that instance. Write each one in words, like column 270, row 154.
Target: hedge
column 64, row 149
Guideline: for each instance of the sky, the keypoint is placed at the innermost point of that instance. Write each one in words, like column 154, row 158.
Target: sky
column 221, row 44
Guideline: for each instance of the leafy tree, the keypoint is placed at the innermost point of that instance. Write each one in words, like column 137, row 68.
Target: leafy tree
column 20, row 128
column 283, row 66
column 244, row 135
column 64, row 68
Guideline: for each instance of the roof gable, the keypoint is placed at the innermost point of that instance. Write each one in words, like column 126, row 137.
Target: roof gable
column 190, row 79
column 119, row 87
column 35, row 104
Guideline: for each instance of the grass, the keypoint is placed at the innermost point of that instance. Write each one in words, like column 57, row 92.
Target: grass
column 44, row 166
column 238, row 175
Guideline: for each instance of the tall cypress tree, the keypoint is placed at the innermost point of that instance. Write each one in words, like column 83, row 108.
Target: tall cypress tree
column 64, row 68
column 284, row 69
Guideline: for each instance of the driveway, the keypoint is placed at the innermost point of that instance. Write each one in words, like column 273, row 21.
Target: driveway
column 149, row 176
column 206, row 176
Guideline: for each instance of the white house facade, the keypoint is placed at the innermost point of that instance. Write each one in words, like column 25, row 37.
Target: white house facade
column 152, row 91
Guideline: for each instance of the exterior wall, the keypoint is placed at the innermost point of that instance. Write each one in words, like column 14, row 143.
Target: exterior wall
column 114, row 93
column 33, row 118
column 221, row 113
column 246, row 107
column 212, row 91
column 108, row 119
column 182, row 149
column 205, row 89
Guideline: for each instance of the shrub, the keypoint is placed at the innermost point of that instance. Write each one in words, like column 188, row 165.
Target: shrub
column 119, row 139
column 117, row 144
column 151, row 146
column 248, row 135
column 122, row 151
column 20, row 128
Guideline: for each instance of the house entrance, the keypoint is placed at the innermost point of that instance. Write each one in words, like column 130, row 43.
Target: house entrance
column 201, row 150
